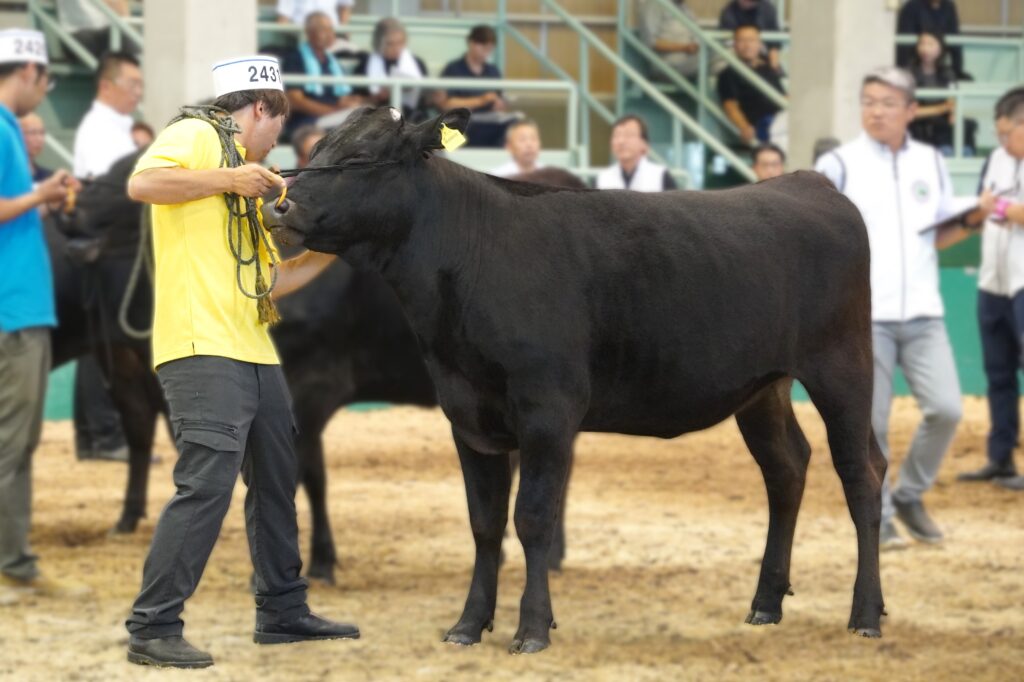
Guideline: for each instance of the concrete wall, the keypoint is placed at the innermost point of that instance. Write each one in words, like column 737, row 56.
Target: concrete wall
column 183, row 40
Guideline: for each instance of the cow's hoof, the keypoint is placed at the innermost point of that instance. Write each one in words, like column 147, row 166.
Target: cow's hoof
column 763, row 618
column 467, row 635
column 321, row 576
column 125, row 526
column 869, row 633
column 530, row 645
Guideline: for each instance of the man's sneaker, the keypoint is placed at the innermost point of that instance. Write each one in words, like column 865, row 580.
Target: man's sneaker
column 304, row 628
column 167, row 652
column 46, row 587
column 918, row 523
column 990, row 471
column 1011, row 483
column 889, row 539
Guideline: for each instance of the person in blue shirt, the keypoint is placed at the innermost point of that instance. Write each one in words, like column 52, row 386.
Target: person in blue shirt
column 27, row 311
column 484, row 131
column 313, row 58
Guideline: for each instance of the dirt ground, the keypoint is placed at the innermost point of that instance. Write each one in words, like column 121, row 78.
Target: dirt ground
column 665, row 540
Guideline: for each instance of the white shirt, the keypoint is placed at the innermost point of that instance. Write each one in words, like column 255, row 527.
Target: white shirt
column 298, row 10
column 510, row 168
column 897, row 194
column 1002, row 246
column 104, row 136
column 647, row 177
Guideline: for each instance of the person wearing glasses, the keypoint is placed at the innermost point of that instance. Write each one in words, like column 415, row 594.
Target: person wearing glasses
column 901, row 188
column 103, row 137
column 1001, row 293
column 27, row 312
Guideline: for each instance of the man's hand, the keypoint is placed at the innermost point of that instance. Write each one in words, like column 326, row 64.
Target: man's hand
column 55, row 188
column 253, row 180
column 689, row 48
column 987, row 202
column 747, row 133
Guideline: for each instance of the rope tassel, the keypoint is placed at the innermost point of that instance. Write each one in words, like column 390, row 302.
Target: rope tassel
column 241, row 222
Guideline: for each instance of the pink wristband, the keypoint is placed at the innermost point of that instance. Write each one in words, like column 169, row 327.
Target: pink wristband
column 1000, row 209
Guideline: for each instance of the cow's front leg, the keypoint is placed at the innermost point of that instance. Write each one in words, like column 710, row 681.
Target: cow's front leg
column 488, row 479
column 546, row 453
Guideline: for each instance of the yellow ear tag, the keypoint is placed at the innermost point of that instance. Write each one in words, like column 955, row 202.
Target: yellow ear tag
column 451, row 139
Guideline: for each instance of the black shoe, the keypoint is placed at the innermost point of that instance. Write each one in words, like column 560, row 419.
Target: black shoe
column 990, row 471
column 167, row 652
column 1011, row 482
column 889, row 539
column 918, row 523
column 307, row 627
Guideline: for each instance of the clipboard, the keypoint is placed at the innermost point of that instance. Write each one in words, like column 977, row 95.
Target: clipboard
column 959, row 217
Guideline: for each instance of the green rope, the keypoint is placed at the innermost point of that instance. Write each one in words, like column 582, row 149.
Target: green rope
column 240, row 222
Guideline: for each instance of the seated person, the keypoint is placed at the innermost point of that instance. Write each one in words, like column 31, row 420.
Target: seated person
column 758, row 13
column 632, row 169
column 391, row 58
column 933, row 122
column 670, row 38
column 769, row 161
column 934, row 16
column 303, row 141
column 522, row 140
column 33, row 132
column 474, row 64
column 311, row 101
column 298, row 11
column 747, row 107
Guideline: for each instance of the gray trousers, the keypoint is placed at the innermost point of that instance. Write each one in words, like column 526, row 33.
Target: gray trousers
column 227, row 416
column 920, row 347
column 24, row 368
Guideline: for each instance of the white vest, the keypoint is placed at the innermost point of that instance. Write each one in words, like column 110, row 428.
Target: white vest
column 1002, row 246
column 897, row 196
column 648, row 177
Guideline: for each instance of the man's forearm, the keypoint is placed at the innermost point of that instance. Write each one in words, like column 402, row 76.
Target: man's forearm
column 297, row 272
column 12, row 208
column 178, row 185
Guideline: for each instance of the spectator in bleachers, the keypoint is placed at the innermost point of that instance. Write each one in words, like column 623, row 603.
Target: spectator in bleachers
column 103, row 137
column 298, row 11
column 902, row 187
column 313, row 58
column 760, row 14
column 933, row 122
column 1001, row 293
column 487, row 127
column 392, row 58
column 632, row 169
column 90, row 26
column 105, row 134
column 522, row 140
column 303, row 141
column 769, row 161
column 933, row 16
column 33, row 131
column 27, row 313
column 673, row 40
column 142, row 134
column 748, row 108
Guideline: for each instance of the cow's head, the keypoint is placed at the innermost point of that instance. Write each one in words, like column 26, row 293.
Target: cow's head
column 371, row 200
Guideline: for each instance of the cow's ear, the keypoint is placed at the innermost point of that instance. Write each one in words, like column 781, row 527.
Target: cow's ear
column 445, row 131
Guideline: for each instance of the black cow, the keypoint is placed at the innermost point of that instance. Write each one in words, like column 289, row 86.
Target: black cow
column 343, row 339
column 544, row 311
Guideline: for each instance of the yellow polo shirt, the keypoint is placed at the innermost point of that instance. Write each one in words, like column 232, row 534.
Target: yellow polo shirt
column 199, row 309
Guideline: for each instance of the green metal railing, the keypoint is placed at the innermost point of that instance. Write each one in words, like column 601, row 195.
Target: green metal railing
column 961, row 95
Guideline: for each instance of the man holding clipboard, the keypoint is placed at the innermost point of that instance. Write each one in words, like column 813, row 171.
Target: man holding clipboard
column 904, row 193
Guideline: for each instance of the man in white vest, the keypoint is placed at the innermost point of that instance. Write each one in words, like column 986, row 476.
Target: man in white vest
column 632, row 169
column 1001, row 293
column 902, row 187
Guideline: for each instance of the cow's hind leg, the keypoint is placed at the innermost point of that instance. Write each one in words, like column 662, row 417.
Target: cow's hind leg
column 136, row 393
column 840, row 387
column 773, row 435
column 488, row 480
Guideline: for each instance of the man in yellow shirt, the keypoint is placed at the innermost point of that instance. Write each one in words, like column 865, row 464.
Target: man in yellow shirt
column 230, row 408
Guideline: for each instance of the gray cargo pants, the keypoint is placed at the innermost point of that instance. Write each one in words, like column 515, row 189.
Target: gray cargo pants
column 24, row 368
column 921, row 349
column 226, row 416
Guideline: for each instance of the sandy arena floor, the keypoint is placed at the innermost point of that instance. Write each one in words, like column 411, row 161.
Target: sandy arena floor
column 665, row 539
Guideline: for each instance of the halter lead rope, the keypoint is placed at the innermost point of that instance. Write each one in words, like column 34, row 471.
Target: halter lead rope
column 238, row 220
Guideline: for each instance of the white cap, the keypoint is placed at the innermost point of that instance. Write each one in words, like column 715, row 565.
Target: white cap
column 258, row 72
column 22, row 45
